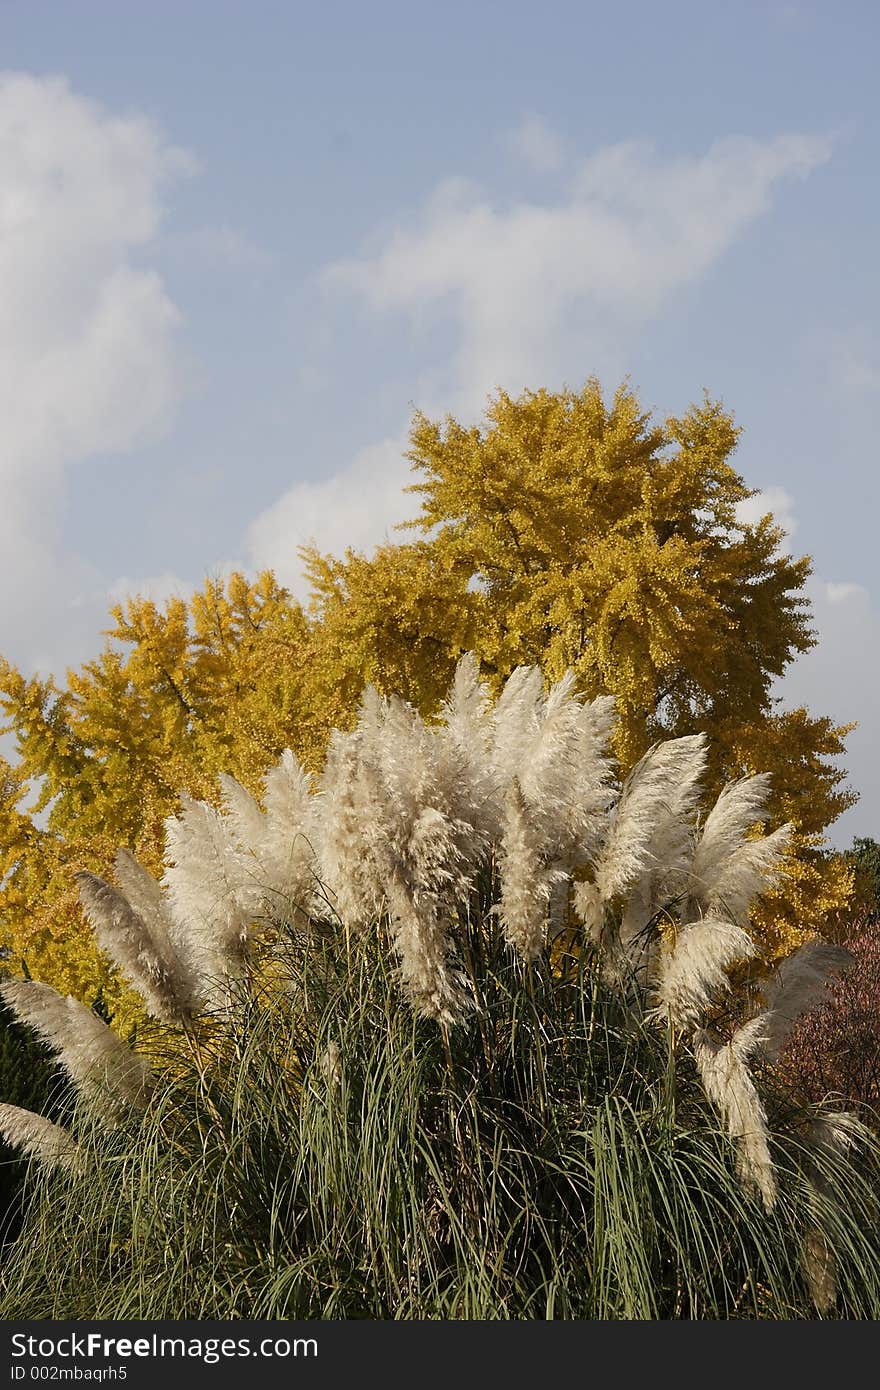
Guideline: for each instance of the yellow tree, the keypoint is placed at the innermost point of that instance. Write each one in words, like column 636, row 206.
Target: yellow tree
column 572, row 532
column 176, row 696
column 566, row 531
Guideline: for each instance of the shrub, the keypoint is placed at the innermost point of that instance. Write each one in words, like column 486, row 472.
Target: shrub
column 537, row 1135
column 864, row 859
column 834, row 1049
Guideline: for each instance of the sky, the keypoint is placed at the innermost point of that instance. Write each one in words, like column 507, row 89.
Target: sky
column 241, row 243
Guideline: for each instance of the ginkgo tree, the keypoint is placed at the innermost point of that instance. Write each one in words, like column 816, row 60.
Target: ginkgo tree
column 566, row 531
column 579, row 534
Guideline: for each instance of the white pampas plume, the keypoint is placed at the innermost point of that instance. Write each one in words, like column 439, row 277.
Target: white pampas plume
column 801, row 981
column 516, row 721
column 731, row 1090
column 352, row 837
column 246, row 820
column 592, row 794
column 286, row 852
column 330, row 1063
column 648, row 829
column 213, row 895
column 122, row 934
column 834, row 1133
column 590, row 909
column 146, row 898
column 99, row 1063
column 417, row 898
column 739, row 806
column 394, row 838
column 839, row 1132
column 694, row 971
column 820, row 1269
column 526, row 884
column 556, row 747
column 37, row 1137
column 421, row 941
column 465, row 750
column 749, row 870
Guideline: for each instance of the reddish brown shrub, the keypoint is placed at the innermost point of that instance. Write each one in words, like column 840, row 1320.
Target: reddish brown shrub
column 834, row 1050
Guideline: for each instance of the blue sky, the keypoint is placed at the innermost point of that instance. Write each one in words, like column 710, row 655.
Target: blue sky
column 238, row 243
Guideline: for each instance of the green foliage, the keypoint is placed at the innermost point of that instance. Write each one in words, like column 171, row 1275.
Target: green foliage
column 330, row 1155
column 864, row 859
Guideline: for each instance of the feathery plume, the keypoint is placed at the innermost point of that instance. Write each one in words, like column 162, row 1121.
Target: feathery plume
column 286, row 853
column 246, row 820
column 99, row 1063
column 421, row 939
column 122, row 933
column 749, row 870
column 421, row 897
column 801, row 981
column 834, row 1133
column 146, row 898
column 330, row 1063
column 36, row 1137
column 739, row 806
column 526, row 884
column 730, row 1088
column 648, row 833
column 658, row 792
column 590, row 910
column 516, row 721
column 694, row 971
column 352, row 833
column 464, row 750
column 839, row 1131
column 819, row 1268
column 213, row 895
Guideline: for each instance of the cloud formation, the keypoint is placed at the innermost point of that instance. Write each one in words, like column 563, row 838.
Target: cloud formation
column 358, row 507
column 776, row 501
column 539, row 146
column 533, row 290
column 87, row 332
column 537, row 286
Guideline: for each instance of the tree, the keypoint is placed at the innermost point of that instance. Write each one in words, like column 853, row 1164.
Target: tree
column 864, row 858
column 576, row 534
column 564, row 532
column 175, row 696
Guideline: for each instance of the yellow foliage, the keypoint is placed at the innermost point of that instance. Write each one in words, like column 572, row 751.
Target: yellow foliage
column 566, row 531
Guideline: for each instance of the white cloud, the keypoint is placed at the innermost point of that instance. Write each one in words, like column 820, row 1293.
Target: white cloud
column 358, row 507
column 841, row 593
column 156, row 587
column 532, row 288
column 854, row 366
column 770, row 499
column 87, row 333
column 535, row 287
column 538, row 144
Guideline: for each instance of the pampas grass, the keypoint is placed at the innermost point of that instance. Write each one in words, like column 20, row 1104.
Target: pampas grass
column 106, row 1071
column 422, row 880
column 36, row 1137
column 320, row 1158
